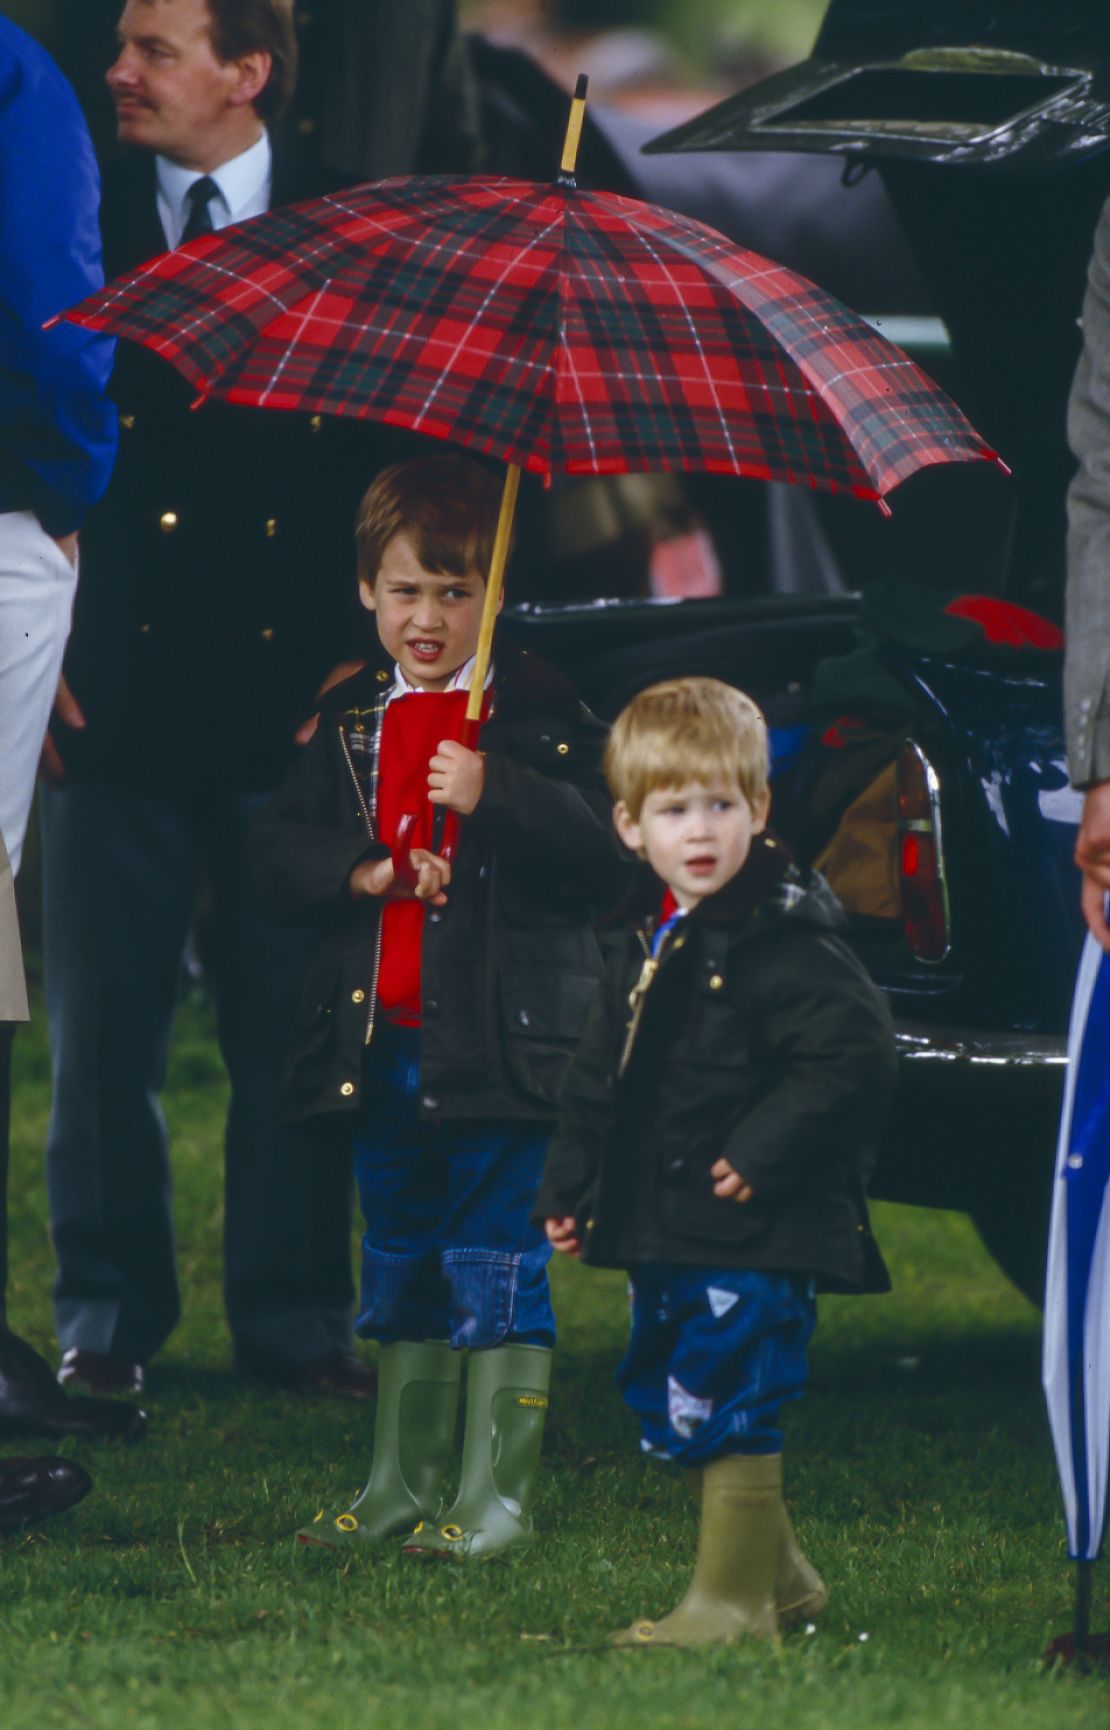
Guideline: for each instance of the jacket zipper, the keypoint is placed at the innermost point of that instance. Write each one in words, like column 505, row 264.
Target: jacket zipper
column 373, row 992
column 637, row 997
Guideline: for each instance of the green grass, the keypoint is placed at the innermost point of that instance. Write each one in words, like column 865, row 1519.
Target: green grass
column 919, row 1470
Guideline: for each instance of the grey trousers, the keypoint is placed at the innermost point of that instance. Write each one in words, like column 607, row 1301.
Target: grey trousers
column 121, row 870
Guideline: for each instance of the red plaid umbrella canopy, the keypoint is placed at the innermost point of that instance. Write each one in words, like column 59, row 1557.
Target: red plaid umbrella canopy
column 557, row 329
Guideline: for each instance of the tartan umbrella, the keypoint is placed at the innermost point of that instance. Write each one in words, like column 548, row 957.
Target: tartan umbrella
column 557, row 329
column 1077, row 1291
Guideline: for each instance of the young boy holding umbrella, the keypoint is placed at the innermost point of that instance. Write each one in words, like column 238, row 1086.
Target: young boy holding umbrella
column 445, row 999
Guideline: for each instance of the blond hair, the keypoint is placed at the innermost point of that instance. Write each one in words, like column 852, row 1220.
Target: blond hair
column 685, row 730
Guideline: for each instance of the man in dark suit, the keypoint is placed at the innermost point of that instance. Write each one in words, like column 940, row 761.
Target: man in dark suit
column 217, row 591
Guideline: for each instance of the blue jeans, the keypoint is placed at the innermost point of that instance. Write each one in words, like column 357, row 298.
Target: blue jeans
column 121, row 868
column 714, row 1355
column 449, row 1251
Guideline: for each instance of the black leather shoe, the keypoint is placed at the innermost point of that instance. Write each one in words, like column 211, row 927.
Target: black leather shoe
column 33, row 1489
column 32, row 1403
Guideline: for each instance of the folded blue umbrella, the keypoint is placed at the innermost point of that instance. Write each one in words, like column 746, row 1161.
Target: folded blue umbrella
column 1076, row 1368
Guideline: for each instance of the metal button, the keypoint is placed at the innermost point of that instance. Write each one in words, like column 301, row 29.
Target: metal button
column 716, row 982
column 435, row 917
column 347, row 1089
column 563, row 750
column 168, row 522
column 144, row 630
column 267, row 633
column 524, row 1018
column 316, row 424
column 590, row 1223
column 430, row 1102
column 127, row 421
column 358, row 997
column 271, row 528
column 382, row 676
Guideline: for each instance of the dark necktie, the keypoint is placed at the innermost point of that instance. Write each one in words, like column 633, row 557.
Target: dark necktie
column 198, row 198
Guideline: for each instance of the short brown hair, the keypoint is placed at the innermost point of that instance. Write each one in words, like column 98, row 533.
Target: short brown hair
column 686, row 730
column 447, row 506
column 258, row 26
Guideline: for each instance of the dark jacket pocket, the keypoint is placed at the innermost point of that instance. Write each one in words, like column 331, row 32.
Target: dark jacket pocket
column 542, row 1017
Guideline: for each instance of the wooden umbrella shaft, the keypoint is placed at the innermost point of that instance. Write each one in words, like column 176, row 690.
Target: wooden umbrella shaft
column 494, row 584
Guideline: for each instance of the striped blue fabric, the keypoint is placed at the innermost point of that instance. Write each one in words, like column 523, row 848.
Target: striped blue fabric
column 1077, row 1289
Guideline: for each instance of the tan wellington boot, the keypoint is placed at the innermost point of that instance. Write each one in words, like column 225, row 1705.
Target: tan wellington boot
column 800, row 1592
column 740, row 1542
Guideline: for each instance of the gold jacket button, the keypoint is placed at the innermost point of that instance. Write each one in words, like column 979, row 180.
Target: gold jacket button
column 168, row 522
column 358, row 996
column 347, row 1089
column 316, row 423
column 144, row 630
column 716, row 982
column 127, row 421
column 563, row 750
column 271, row 528
column 381, row 675
column 267, row 633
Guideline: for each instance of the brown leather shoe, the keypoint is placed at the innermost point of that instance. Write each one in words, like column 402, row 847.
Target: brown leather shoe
column 340, row 1374
column 32, row 1403
column 98, row 1373
column 32, row 1489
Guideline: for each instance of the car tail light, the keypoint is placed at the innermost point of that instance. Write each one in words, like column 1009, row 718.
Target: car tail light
column 925, row 911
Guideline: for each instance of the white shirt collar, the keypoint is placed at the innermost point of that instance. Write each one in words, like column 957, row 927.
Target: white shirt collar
column 459, row 681
column 244, row 189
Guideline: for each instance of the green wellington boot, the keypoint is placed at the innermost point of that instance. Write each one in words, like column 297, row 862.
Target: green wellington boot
column 740, row 1538
column 414, row 1429
column 506, row 1403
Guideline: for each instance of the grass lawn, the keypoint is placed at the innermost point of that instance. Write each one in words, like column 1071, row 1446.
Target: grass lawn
column 920, row 1476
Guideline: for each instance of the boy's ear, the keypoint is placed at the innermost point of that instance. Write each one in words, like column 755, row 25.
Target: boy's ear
column 761, row 810
column 627, row 827
column 366, row 595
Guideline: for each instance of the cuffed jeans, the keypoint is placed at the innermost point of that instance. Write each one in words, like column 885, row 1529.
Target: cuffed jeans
column 449, row 1250
column 714, row 1355
column 121, row 868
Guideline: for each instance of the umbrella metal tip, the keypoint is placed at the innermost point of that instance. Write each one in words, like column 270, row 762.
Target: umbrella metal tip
column 580, row 87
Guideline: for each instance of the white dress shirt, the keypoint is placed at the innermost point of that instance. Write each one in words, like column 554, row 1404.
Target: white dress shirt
column 244, row 189
column 459, row 681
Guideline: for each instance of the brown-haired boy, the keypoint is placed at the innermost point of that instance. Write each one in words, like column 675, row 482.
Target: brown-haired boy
column 716, row 1128
column 440, row 1016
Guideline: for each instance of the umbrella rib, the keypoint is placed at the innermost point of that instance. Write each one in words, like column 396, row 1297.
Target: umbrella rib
column 695, row 337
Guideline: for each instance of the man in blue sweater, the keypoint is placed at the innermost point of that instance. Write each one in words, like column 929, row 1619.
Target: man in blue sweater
column 57, row 446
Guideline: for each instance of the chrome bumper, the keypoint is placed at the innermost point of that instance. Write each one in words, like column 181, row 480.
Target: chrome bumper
column 963, row 1050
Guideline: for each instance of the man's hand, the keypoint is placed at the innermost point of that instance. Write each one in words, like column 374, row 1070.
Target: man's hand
column 377, row 877
column 456, row 777
column 1092, row 855
column 729, row 1185
column 69, row 712
column 562, row 1234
